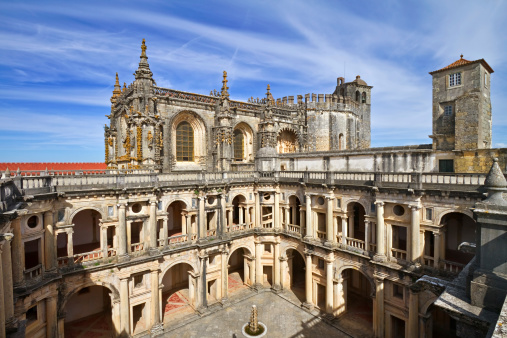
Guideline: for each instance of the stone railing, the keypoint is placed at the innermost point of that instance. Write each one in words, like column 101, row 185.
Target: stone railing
column 451, row 266
column 87, row 256
column 428, row 261
column 33, row 272
column 321, row 234
column 399, row 254
column 294, row 228
column 356, row 243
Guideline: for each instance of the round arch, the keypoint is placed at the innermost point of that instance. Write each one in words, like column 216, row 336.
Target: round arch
column 68, row 295
column 342, row 268
column 295, row 248
column 358, row 201
column 465, row 212
column 164, row 270
column 199, row 129
column 248, row 140
column 288, row 141
column 167, row 203
column 427, row 304
column 238, row 194
column 296, row 194
column 240, row 246
column 78, row 210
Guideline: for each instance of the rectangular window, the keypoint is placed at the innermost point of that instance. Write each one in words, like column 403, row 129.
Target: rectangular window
column 397, row 291
column 373, row 207
column 447, row 110
column 110, row 211
column 338, row 203
column 321, row 264
column 138, row 281
column 31, row 315
column 446, row 166
column 267, row 247
column 455, row 79
column 429, row 214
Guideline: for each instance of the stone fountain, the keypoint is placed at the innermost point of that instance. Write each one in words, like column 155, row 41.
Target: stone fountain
column 254, row 328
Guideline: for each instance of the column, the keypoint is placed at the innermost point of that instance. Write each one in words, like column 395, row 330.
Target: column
column 202, row 289
column 225, row 274
column 49, row 242
column 125, row 307
column 257, row 210
column 276, row 212
column 202, row 218
column 309, row 225
column 252, row 271
column 247, row 215
column 415, row 252
column 351, row 224
column 103, row 239
column 17, row 254
column 436, row 249
column 379, row 307
column 188, row 225
column 165, row 220
column 153, row 225
column 413, row 314
column 2, row 300
column 302, row 219
column 51, row 316
column 259, row 277
column 335, row 229
column 183, row 224
column 276, row 277
column 283, row 273
column 381, row 253
column 329, row 285
column 70, row 244
column 287, row 218
column 330, row 237
column 156, row 325
column 308, row 282
column 122, row 232
column 340, row 297
column 345, row 228
column 241, row 218
column 6, row 263
column 367, row 235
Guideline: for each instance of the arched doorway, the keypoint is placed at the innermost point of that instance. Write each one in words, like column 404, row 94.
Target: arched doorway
column 238, row 270
column 239, row 210
column 356, row 228
column 459, row 228
column 287, row 142
column 176, row 218
column 294, row 279
column 88, row 313
column 178, row 293
column 86, row 235
column 293, row 218
column 354, row 304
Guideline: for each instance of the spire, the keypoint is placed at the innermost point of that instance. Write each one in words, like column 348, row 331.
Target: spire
column 495, row 185
column 116, row 90
column 144, row 68
column 124, row 87
column 225, row 92
column 269, row 96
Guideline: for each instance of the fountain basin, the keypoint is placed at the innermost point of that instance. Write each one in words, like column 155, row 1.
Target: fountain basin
column 258, row 335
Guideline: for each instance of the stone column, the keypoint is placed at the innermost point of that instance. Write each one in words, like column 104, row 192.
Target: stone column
column 156, row 325
column 309, row 225
column 413, row 314
column 51, row 316
column 335, row 229
column 415, row 252
column 283, row 272
column 202, row 219
column 436, row 257
column 122, row 232
column 340, row 304
column 345, row 228
column 276, row 277
column 330, row 237
column 241, row 218
column 125, row 307
column 164, row 231
column 379, row 307
column 276, row 212
column 49, row 243
column 329, row 285
column 252, row 271
column 183, row 224
column 153, row 226
column 302, row 219
column 247, row 215
column 6, row 263
column 287, row 217
column 367, row 235
column 381, row 253
column 259, row 276
column 351, row 224
column 308, row 282
column 2, row 298
column 103, row 239
column 225, row 275
column 17, row 254
column 257, row 210
column 70, row 244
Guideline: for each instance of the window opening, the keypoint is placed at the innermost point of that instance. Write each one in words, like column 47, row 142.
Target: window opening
column 184, row 142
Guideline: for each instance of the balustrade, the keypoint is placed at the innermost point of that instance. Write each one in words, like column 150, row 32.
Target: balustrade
column 33, row 272
column 87, row 256
column 428, row 261
column 136, row 247
column 294, row 228
column 321, row 234
column 451, row 266
column 399, row 254
column 355, row 243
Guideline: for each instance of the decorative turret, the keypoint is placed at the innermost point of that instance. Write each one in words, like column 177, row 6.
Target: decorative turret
column 116, row 90
column 143, row 72
column 225, row 92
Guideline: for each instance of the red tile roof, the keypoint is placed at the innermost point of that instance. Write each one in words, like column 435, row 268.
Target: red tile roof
column 463, row 62
column 13, row 166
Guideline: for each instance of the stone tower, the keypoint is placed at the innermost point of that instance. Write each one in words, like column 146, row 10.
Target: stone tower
column 462, row 106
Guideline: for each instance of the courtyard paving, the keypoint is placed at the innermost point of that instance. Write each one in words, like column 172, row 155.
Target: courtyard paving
column 281, row 316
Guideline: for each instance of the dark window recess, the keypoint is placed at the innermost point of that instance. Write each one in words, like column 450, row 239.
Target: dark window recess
column 446, row 166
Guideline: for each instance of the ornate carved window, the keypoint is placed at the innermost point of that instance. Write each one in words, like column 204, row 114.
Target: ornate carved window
column 239, row 145
column 184, row 142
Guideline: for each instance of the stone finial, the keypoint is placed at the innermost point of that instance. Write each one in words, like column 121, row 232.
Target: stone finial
column 117, row 88
column 124, row 87
column 495, row 184
column 7, row 173
column 225, row 89
column 461, row 56
column 143, row 48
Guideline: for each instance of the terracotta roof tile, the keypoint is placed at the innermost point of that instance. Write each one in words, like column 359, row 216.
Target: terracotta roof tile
column 463, row 62
column 39, row 166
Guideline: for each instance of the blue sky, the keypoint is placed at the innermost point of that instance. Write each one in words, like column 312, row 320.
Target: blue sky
column 58, row 60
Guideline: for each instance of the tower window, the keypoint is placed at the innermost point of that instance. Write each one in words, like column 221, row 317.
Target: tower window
column 446, row 166
column 455, row 79
column 358, row 95
column 363, row 97
column 447, row 110
column 239, row 147
column 184, row 142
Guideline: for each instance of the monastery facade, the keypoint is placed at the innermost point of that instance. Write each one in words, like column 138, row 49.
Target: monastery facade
column 278, row 195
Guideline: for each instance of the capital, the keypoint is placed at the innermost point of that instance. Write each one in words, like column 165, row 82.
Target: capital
column 7, row 236
column 379, row 203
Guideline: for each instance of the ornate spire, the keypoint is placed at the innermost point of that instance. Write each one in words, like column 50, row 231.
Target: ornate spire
column 225, row 92
column 124, row 87
column 144, row 68
column 116, row 90
column 269, row 96
column 143, row 48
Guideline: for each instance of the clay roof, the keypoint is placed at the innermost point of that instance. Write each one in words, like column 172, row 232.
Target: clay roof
column 464, row 62
column 36, row 166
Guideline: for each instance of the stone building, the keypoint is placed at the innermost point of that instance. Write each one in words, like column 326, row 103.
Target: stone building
column 205, row 195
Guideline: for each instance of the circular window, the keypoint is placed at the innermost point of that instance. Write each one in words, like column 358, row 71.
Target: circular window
column 320, row 200
column 211, row 200
column 32, row 222
column 398, row 210
column 267, row 196
column 136, row 208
